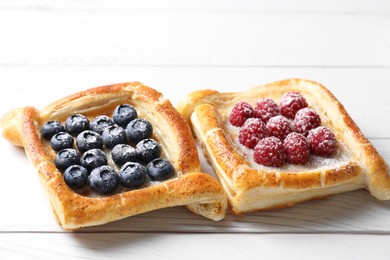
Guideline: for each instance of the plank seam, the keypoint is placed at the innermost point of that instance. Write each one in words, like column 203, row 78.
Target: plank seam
column 377, row 232
column 184, row 10
column 193, row 65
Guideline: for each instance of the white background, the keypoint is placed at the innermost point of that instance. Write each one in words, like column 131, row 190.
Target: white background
column 49, row 49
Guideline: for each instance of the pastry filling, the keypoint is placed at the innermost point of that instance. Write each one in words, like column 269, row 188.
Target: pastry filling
column 288, row 136
column 103, row 155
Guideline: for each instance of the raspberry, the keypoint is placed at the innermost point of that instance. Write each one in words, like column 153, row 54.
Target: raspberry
column 269, row 152
column 296, row 148
column 290, row 103
column 279, row 126
column 265, row 109
column 305, row 120
column 240, row 113
column 322, row 141
column 252, row 132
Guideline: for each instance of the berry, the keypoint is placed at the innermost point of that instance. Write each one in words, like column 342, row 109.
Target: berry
column 66, row 158
column 132, row 175
column 123, row 114
column 88, row 140
column 296, row 148
column 114, row 135
column 252, row 132
column 51, row 128
column 123, row 153
column 148, row 149
column 103, row 180
column 269, row 152
column 160, row 169
column 76, row 124
column 265, row 109
column 100, row 123
column 93, row 158
column 139, row 129
column 240, row 113
column 291, row 103
column 279, row 126
column 76, row 176
column 305, row 120
column 322, row 141
column 61, row 141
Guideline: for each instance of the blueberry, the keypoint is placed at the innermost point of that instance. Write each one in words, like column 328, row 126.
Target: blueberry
column 51, row 128
column 88, row 140
column 76, row 176
column 76, row 124
column 114, row 135
column 100, row 123
column 103, row 180
column 123, row 114
column 123, row 153
column 148, row 149
column 93, row 158
column 66, row 158
column 61, row 141
column 160, row 169
column 139, row 129
column 132, row 175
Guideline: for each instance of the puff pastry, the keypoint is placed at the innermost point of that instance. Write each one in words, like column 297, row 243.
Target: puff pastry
column 198, row 191
column 251, row 187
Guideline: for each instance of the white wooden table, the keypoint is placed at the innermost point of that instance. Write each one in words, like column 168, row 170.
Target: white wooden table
column 49, row 49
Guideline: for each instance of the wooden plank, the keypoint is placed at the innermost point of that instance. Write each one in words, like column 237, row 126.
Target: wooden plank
column 361, row 91
column 195, row 44
column 194, row 38
column 204, row 5
column 192, row 246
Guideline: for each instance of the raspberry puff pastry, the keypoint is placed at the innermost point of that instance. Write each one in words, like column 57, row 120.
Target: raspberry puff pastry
column 261, row 173
column 79, row 208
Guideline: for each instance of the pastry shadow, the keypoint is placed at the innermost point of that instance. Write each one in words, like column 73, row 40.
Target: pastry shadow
column 355, row 211
column 349, row 212
column 103, row 243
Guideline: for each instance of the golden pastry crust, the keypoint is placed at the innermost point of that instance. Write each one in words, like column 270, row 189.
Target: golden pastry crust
column 198, row 191
column 249, row 187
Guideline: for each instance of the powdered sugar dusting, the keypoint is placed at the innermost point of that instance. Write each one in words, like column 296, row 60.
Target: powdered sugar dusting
column 279, row 126
column 315, row 161
column 291, row 103
column 322, row 141
column 296, row 148
column 240, row 113
column 269, row 151
column 305, row 120
column 252, row 132
column 265, row 109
